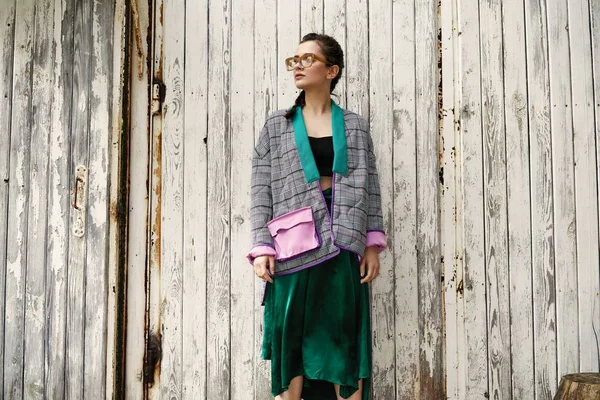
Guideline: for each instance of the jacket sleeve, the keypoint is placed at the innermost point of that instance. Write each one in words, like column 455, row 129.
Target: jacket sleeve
column 261, row 201
column 375, row 231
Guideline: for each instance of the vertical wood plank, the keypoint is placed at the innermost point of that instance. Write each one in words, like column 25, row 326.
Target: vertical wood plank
column 7, row 32
column 172, row 15
column 595, row 30
column 18, row 198
column 357, row 57
column 195, row 302
column 218, row 353
column 541, row 200
column 561, row 125
column 470, row 210
column 242, row 143
column 494, row 169
column 518, row 200
column 427, row 231
column 311, row 16
column 76, row 270
column 35, row 310
column 59, row 200
column 288, row 37
column 96, row 292
column 586, row 190
column 265, row 102
column 406, row 285
column 382, row 299
column 334, row 24
column 139, row 200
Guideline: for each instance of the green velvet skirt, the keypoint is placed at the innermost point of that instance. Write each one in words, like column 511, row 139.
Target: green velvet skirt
column 317, row 324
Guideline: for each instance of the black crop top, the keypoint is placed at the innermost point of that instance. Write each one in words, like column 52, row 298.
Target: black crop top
column 322, row 149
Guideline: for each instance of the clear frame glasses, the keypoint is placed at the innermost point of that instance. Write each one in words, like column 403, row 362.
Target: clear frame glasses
column 305, row 60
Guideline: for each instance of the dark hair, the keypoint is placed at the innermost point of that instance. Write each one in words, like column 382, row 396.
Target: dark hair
column 334, row 55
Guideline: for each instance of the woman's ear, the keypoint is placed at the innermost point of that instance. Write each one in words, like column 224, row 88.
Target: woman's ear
column 333, row 71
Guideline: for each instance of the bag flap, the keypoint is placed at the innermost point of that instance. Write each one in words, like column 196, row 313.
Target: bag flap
column 291, row 219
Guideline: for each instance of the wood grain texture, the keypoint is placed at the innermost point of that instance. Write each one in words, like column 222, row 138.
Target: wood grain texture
column 265, row 103
column 586, row 190
column 334, row 12
column 561, row 125
column 139, row 194
column 404, row 224
column 431, row 369
column 595, row 31
column 35, row 310
column 218, row 316
column 242, row 146
column 311, row 16
column 518, row 200
column 79, row 156
column 195, row 301
column 18, row 201
column 470, row 211
column 382, row 289
column 7, row 32
column 541, row 202
column 100, row 104
column 288, row 37
column 171, row 234
column 59, row 204
column 357, row 57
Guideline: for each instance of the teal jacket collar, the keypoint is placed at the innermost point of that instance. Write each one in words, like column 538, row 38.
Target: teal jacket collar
column 340, row 148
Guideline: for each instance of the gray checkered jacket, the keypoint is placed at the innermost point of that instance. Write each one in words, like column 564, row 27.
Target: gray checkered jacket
column 279, row 185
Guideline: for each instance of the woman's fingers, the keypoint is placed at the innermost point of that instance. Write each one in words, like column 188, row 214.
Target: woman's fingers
column 372, row 272
column 272, row 265
column 260, row 269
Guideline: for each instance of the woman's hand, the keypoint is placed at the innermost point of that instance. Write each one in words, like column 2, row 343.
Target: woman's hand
column 262, row 264
column 370, row 264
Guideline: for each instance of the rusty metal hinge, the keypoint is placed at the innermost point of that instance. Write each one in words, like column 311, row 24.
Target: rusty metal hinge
column 158, row 95
column 152, row 357
column 78, row 200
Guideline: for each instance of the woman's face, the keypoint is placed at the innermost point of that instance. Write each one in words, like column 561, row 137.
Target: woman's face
column 318, row 74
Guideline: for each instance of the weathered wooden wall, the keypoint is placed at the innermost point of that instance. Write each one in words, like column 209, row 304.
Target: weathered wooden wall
column 486, row 121
column 57, row 98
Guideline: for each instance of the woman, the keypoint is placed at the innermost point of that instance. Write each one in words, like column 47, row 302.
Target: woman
column 317, row 230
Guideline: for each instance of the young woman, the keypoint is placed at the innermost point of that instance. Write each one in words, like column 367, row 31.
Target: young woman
column 317, row 230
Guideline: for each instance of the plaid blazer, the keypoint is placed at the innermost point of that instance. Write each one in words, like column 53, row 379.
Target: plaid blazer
column 285, row 178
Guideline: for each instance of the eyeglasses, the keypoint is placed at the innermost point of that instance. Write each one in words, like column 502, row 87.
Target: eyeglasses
column 306, row 60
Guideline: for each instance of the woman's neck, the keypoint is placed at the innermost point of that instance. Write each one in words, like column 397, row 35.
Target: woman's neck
column 317, row 103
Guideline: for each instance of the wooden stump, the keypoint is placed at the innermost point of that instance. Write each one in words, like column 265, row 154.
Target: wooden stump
column 584, row 386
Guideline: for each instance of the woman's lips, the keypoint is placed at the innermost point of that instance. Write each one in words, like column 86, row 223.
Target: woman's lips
column 299, row 76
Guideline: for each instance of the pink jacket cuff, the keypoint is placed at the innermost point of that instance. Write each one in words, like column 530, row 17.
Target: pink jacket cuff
column 376, row 238
column 260, row 250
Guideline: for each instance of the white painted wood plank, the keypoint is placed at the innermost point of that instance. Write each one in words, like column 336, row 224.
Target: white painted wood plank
column 586, row 191
column 518, row 200
column 195, row 302
column 7, row 26
column 382, row 299
column 404, row 221
column 427, row 231
column 18, row 202
column 311, row 16
column 242, row 145
column 335, row 26
column 470, row 206
column 139, row 199
column 117, row 228
column 41, row 91
column 76, row 271
column 451, row 268
column 101, row 47
column 59, row 201
column 288, row 37
column 595, row 30
column 357, row 57
column 265, row 102
column 494, row 170
column 561, row 125
column 541, row 201
column 172, row 15
column 218, row 315
column 159, row 379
